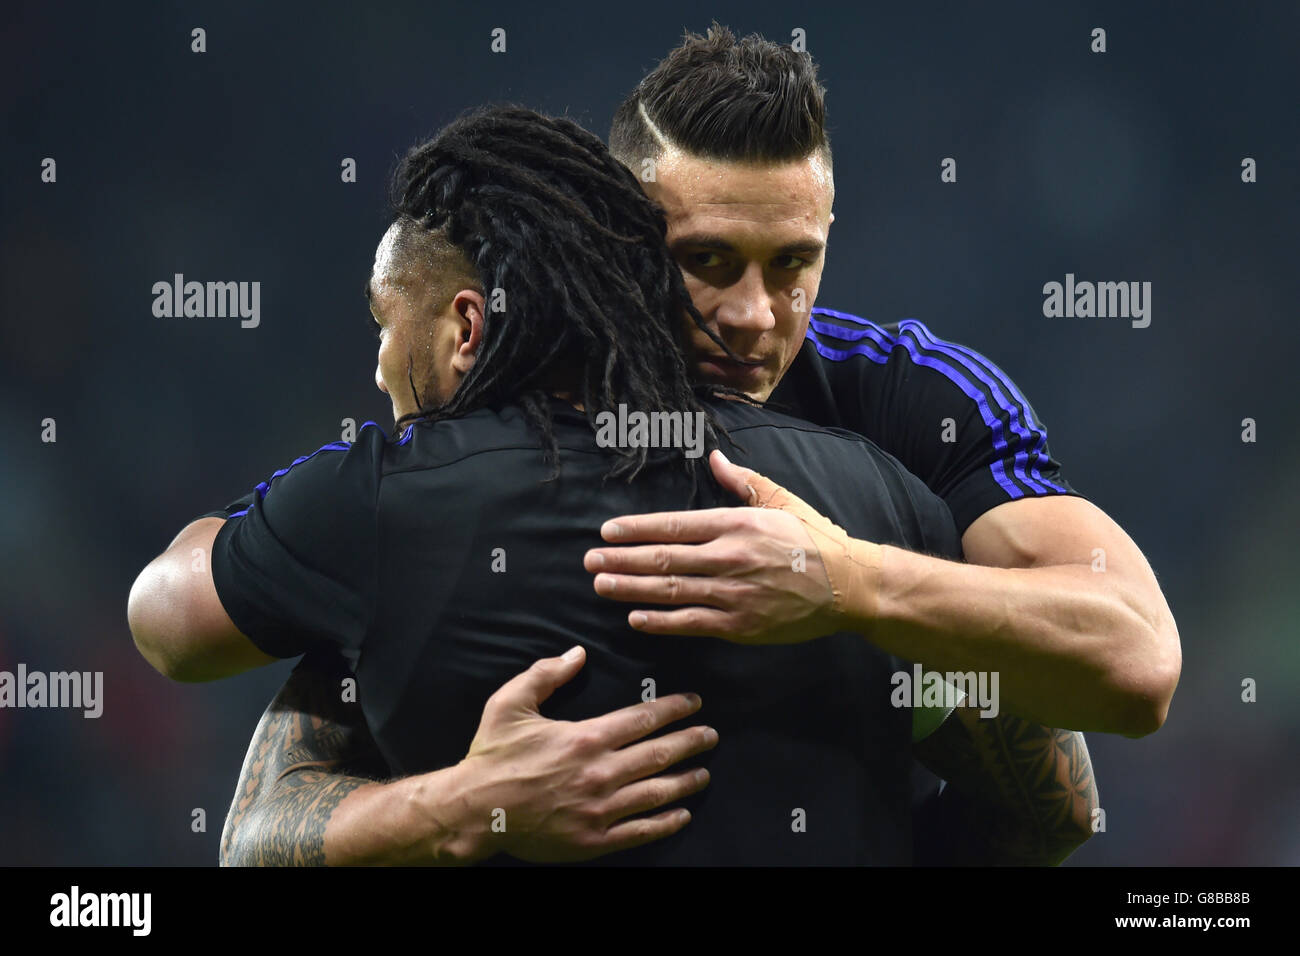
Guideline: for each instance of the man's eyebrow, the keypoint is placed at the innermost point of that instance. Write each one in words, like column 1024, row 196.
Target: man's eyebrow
column 810, row 247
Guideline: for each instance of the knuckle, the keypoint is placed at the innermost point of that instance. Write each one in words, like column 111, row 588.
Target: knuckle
column 662, row 558
column 591, row 817
column 591, row 779
column 658, row 793
column 735, row 557
column 674, row 526
column 645, row 720
column 661, row 755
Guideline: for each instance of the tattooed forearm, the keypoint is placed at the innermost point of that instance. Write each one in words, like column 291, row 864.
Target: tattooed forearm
column 293, row 776
column 1018, row 793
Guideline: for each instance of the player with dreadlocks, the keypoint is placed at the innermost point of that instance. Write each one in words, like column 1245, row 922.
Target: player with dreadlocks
column 586, row 302
column 442, row 562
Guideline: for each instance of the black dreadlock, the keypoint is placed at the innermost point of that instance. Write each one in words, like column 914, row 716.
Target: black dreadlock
column 594, row 300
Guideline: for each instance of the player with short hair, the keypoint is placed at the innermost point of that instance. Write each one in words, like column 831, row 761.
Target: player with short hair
column 896, row 385
column 501, row 452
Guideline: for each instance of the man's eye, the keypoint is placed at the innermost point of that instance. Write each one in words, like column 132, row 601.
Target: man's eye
column 707, row 260
column 792, row 262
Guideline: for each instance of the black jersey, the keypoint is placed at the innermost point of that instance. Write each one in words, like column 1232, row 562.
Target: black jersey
column 443, row 564
column 952, row 417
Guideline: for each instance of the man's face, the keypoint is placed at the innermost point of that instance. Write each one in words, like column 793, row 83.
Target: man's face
column 416, row 345
column 750, row 240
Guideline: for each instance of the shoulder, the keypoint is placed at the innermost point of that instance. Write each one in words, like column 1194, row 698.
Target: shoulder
column 318, row 471
column 841, row 337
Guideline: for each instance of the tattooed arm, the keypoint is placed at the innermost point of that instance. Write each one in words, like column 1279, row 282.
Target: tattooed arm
column 299, row 768
column 569, row 787
column 1017, row 793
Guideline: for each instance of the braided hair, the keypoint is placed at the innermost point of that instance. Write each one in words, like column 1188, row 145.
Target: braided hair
column 594, row 300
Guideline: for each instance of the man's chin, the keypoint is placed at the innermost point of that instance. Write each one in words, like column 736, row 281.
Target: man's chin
column 754, row 381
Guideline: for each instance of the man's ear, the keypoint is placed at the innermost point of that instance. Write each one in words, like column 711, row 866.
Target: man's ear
column 468, row 307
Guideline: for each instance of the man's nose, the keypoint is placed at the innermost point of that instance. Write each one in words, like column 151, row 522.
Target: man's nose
column 746, row 304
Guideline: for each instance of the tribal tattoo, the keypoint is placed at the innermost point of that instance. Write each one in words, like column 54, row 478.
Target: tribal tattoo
column 1017, row 793
column 311, row 749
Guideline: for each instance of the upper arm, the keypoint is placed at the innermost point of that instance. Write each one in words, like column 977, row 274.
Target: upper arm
column 295, row 569
column 178, row 621
column 1051, row 532
column 1045, row 532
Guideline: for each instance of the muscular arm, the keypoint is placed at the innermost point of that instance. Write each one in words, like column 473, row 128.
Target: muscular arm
column 1057, row 598
column 176, row 618
column 1075, row 646
column 306, row 798
column 1017, row 793
column 309, row 752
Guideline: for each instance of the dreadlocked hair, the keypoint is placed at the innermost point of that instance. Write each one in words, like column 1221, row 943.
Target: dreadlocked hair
column 594, row 301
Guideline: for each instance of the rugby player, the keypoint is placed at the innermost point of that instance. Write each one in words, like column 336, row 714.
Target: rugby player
column 509, row 200
column 1091, row 651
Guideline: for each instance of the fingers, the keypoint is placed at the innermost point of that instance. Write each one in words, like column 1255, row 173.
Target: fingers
column 659, row 559
column 645, row 795
column 657, row 755
column 621, row 727
column 687, row 622
column 633, row 833
column 527, row 691
column 668, row 589
column 669, row 527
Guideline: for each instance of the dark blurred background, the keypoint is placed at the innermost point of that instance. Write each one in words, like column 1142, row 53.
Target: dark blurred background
column 225, row 165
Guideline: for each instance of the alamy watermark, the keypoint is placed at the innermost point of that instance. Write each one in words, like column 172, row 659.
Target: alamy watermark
column 1102, row 300
column 76, row 908
column 208, row 300
column 922, row 688
column 83, row 690
column 651, row 430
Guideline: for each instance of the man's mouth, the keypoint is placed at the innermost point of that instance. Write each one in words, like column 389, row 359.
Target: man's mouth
column 727, row 371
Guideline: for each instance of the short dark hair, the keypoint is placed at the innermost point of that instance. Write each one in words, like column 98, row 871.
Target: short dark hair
column 717, row 97
column 538, row 207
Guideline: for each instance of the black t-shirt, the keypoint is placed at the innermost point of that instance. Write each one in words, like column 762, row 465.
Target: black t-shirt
column 952, row 417
column 443, row 564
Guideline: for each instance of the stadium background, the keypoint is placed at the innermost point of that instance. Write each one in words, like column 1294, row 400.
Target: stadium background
column 225, row 166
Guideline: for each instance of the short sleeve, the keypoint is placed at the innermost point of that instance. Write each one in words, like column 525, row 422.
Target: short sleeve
column 297, row 568
column 986, row 445
column 238, row 506
column 952, row 417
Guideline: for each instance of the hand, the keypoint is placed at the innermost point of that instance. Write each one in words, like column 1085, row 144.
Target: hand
column 754, row 575
column 567, row 787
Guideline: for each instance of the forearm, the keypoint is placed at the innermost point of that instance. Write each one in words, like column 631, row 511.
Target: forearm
column 1072, row 648
column 1017, row 793
column 313, row 817
column 954, row 830
column 307, row 793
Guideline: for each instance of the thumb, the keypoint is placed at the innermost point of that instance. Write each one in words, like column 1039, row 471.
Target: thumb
column 530, row 689
column 751, row 487
column 733, row 478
